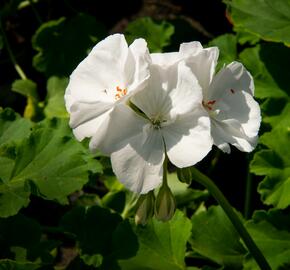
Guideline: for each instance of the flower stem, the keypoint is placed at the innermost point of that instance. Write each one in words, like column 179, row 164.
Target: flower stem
column 165, row 172
column 248, row 195
column 220, row 198
column 35, row 11
column 11, row 55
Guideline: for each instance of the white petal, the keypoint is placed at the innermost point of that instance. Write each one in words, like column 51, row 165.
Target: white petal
column 100, row 72
column 187, row 93
column 137, row 65
column 231, row 132
column 138, row 165
column 118, row 130
column 171, row 91
column 90, row 127
column 84, row 112
column 203, row 66
column 232, row 78
column 165, row 59
column 190, row 48
column 242, row 107
column 154, row 100
column 188, row 139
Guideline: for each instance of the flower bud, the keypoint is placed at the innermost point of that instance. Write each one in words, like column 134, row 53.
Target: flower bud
column 184, row 175
column 165, row 204
column 145, row 208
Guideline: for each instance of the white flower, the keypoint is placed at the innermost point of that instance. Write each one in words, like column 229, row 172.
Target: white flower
column 175, row 122
column 227, row 96
column 106, row 77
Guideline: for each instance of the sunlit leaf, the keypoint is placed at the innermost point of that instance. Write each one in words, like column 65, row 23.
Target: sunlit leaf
column 244, row 36
column 274, row 244
column 280, row 119
column 26, row 88
column 49, row 164
column 268, row 64
column 55, row 97
column 214, row 237
column 274, row 163
column 157, row 34
column 162, row 245
column 13, row 127
column 278, row 218
column 270, row 20
column 227, row 45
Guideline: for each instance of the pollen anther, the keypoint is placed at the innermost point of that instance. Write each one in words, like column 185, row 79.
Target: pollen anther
column 208, row 105
column 120, row 92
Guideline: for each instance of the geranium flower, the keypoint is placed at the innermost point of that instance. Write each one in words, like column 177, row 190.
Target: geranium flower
column 168, row 118
column 227, row 96
column 106, row 77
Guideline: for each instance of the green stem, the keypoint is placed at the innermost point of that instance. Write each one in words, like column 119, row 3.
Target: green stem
column 165, row 171
column 35, row 11
column 248, row 196
column 214, row 160
column 129, row 206
column 11, row 55
column 220, row 198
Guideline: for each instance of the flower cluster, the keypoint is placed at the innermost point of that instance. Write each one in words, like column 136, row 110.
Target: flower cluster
column 141, row 108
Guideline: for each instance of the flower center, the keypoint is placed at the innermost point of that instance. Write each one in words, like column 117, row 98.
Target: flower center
column 157, row 122
column 120, row 92
column 208, row 105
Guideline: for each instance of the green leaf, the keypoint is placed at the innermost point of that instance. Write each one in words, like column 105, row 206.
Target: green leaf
column 161, row 245
column 275, row 165
column 268, row 63
column 12, row 127
column 157, row 34
column 93, row 227
column 92, row 260
column 63, row 43
column 99, row 231
column 278, row 218
column 55, row 97
column 244, row 37
column 214, row 237
column 49, row 164
column 26, row 88
column 7, row 264
column 270, row 20
column 124, row 241
column 274, row 244
column 280, row 119
column 19, row 231
column 227, row 45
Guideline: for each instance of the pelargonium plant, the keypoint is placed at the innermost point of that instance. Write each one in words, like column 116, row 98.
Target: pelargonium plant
column 145, row 109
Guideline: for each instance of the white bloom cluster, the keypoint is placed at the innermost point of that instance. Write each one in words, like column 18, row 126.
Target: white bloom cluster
column 139, row 107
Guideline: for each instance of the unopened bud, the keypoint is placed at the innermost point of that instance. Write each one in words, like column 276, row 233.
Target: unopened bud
column 184, row 175
column 165, row 204
column 145, row 208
